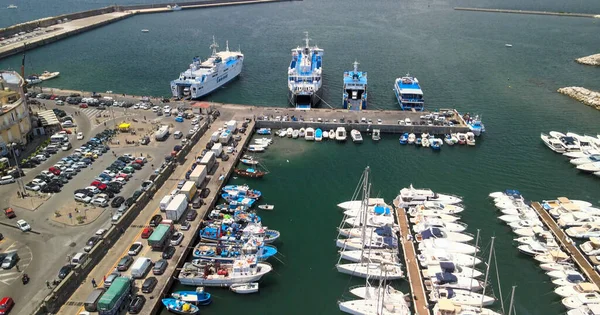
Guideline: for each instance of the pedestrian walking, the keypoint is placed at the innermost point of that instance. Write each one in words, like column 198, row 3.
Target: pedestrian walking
column 17, row 266
column 104, row 279
column 48, row 284
column 93, row 282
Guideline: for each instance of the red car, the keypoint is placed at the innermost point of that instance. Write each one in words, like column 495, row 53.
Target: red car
column 147, row 232
column 83, row 105
column 123, row 175
column 54, row 170
column 53, row 96
column 6, row 304
column 139, row 161
column 99, row 185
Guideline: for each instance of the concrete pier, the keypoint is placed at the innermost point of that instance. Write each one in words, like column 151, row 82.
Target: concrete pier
column 565, row 243
column 529, row 12
column 587, row 97
column 419, row 298
column 83, row 21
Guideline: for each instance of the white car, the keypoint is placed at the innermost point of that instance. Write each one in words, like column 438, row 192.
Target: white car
column 116, row 217
column 136, row 106
column 47, row 174
column 7, row 180
column 66, row 147
column 83, row 198
column 67, row 124
column 101, row 202
column 79, row 135
column 109, row 173
column 93, row 189
column 195, row 121
column 23, row 225
column 176, row 238
column 155, row 109
column 41, row 157
column 80, row 165
column 167, row 107
column 39, row 182
column 135, row 248
column 100, row 232
column 32, row 187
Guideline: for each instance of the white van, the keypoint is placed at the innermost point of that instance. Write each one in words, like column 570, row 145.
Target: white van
column 79, row 259
column 177, row 134
column 164, row 202
column 140, row 267
column 167, row 112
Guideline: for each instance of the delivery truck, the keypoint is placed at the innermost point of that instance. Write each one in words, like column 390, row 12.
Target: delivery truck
column 208, row 160
column 116, row 298
column 198, row 175
column 189, row 189
column 161, row 236
column 162, row 133
column 164, row 202
column 176, row 207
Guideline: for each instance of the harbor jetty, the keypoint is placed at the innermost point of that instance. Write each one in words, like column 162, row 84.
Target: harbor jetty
column 567, row 244
column 593, row 60
column 415, row 278
column 587, row 97
column 32, row 34
column 597, row 16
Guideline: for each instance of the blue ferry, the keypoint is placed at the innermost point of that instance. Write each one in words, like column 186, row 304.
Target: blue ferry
column 409, row 93
column 355, row 89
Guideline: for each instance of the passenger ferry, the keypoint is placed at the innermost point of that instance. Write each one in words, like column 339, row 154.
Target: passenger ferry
column 409, row 94
column 204, row 77
column 355, row 89
column 304, row 76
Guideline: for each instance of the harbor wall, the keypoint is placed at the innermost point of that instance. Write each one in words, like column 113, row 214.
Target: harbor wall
column 186, row 5
column 50, row 21
column 528, row 12
column 362, row 127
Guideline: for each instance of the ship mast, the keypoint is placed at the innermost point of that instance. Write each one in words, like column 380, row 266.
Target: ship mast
column 356, row 63
column 214, row 46
column 227, row 46
column 306, row 39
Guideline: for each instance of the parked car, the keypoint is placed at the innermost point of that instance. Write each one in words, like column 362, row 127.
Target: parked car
column 125, row 263
column 160, row 266
column 136, row 304
column 197, row 202
column 185, row 226
column 6, row 304
column 110, row 278
column 64, row 271
column 168, row 252
column 191, row 215
column 205, row 192
column 155, row 221
column 101, row 202
column 149, row 284
column 7, row 180
column 23, row 225
column 117, row 202
column 135, row 248
column 176, row 238
column 147, row 232
column 83, row 198
column 91, row 243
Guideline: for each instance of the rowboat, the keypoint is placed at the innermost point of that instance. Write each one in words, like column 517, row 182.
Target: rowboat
column 244, row 288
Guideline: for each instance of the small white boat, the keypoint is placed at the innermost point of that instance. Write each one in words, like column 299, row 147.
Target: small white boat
column 577, row 218
column 295, row 133
column 376, row 136
column 430, row 222
column 508, row 45
column 266, row 207
column 434, row 205
column 302, row 132
column 256, row 148
column 442, row 217
column 357, row 232
column 580, row 154
column 584, row 231
column 462, row 138
column 570, row 290
column 552, row 257
column 470, row 138
column 425, row 142
column 529, row 223
column 244, row 288
column 356, row 136
column 289, row 132
column 12, row 6
column 309, row 134
column 589, row 167
column 447, row 307
column 332, row 134
column 340, row 134
column 145, row 31
column 586, row 160
column 557, row 266
column 450, row 246
column 412, row 138
column 282, row 133
column 532, row 249
column 436, row 257
column 325, row 134
column 48, row 75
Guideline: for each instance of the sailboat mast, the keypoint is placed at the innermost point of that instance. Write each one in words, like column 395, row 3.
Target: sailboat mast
column 487, row 270
column 512, row 297
column 474, row 257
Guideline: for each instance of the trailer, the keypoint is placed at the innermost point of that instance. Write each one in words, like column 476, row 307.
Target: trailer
column 189, row 190
column 208, row 160
column 217, row 148
column 215, row 136
column 160, row 237
column 116, row 298
column 198, row 175
column 232, row 125
column 164, row 202
column 162, row 133
column 176, row 207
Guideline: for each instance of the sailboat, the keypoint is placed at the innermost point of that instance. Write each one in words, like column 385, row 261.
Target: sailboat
column 365, row 268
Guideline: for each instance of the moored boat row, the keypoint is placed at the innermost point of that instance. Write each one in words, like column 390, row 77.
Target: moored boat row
column 582, row 150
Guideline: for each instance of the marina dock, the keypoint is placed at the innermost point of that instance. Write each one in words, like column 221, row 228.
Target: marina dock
column 413, row 271
column 63, row 26
column 597, row 16
column 566, row 243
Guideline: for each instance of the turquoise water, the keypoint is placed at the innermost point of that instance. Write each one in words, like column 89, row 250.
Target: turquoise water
column 461, row 61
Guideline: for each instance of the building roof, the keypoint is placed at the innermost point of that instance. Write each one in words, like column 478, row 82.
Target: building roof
column 48, row 118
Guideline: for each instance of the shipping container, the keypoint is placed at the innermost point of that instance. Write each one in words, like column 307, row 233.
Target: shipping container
column 198, row 175
column 208, row 160
column 189, row 189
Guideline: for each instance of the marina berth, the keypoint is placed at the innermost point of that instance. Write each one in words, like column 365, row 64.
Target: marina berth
column 304, row 76
column 203, row 77
column 355, row 89
column 409, row 94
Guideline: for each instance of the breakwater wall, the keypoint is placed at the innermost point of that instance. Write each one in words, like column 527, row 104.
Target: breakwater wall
column 587, row 97
column 593, row 60
column 194, row 4
column 529, row 12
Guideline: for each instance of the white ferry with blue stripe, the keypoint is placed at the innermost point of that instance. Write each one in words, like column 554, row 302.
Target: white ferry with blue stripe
column 203, row 77
column 304, row 76
column 409, row 93
column 355, row 89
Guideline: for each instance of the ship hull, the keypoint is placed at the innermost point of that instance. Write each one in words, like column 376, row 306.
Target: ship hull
column 307, row 101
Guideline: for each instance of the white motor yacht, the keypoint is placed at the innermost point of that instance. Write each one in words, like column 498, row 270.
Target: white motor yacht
column 562, row 274
column 589, row 167
column 445, row 226
column 575, row 289
column 584, row 231
column 411, row 196
column 356, row 136
column 577, row 218
column 552, row 256
column 446, row 266
column 573, row 278
column 378, row 209
column 590, row 309
column 450, row 246
column 375, row 271
column 532, row 249
column 309, row 134
column 332, row 134
column 585, row 142
column 325, row 135
column 586, row 160
column 553, row 143
column 509, row 218
column 433, row 205
column 461, row 297
column 525, row 224
column 447, row 307
column 433, row 233
column 557, row 266
column 373, row 220
column 581, row 154
column 442, row 217
column 435, row 257
column 591, row 247
column 340, row 134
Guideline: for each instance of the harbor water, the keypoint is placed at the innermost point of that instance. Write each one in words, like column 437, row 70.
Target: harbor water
column 460, row 59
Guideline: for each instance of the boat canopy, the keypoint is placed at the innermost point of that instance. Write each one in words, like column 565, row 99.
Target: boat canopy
column 448, row 266
column 445, row 277
column 432, row 233
column 382, row 210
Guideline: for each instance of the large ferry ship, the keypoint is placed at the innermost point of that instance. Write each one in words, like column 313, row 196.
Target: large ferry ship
column 304, row 76
column 409, row 94
column 355, row 89
column 204, row 77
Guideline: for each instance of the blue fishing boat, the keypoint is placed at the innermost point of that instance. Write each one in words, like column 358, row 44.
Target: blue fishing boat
column 216, row 233
column 436, row 144
column 198, row 297
column 179, row 307
column 404, row 138
column 264, row 131
column 227, row 252
column 236, row 201
column 474, row 124
column 355, row 89
column 230, row 208
column 318, row 135
column 250, row 193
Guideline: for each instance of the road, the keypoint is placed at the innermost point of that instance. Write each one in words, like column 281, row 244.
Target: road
column 44, row 250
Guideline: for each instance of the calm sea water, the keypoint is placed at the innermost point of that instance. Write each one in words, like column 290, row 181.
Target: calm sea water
column 461, row 61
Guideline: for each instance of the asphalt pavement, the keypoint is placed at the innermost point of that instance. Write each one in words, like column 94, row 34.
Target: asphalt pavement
column 45, row 249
